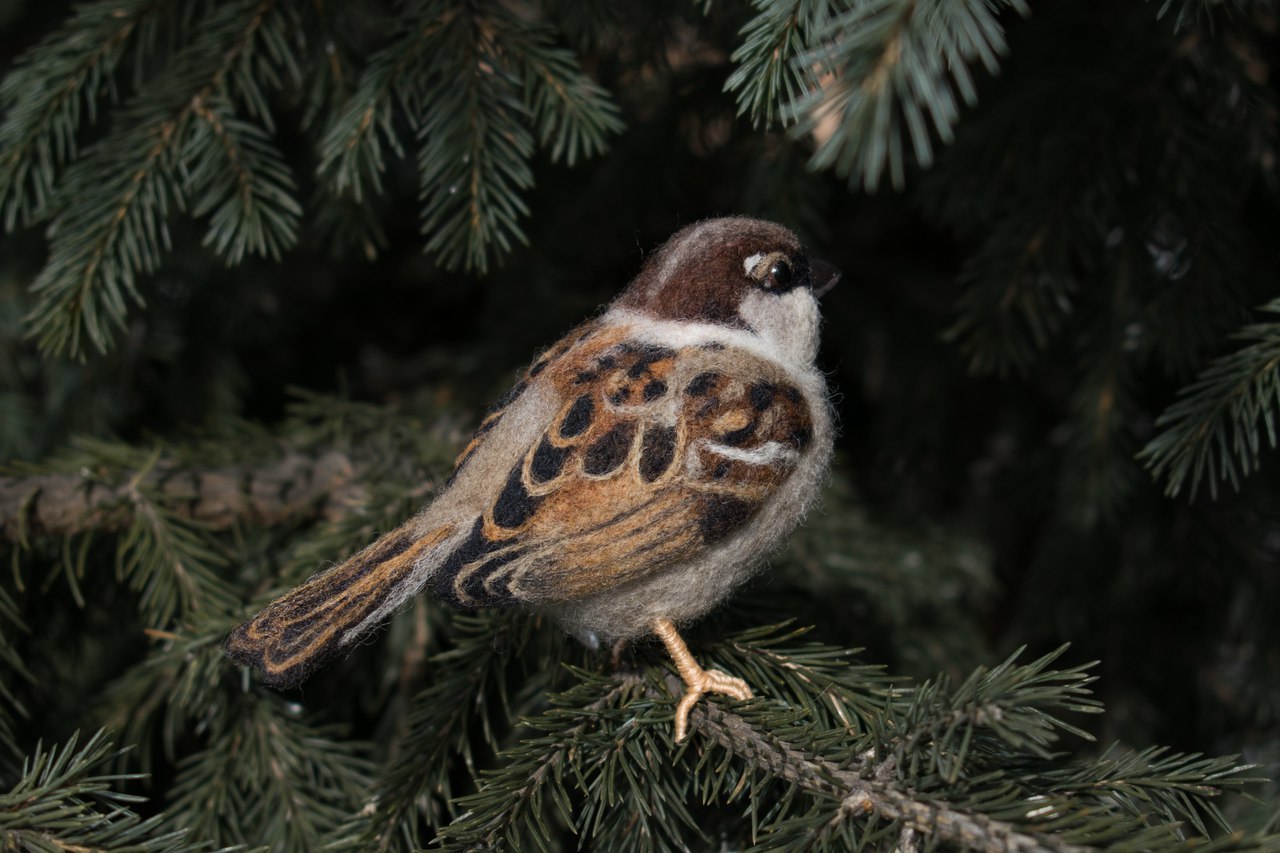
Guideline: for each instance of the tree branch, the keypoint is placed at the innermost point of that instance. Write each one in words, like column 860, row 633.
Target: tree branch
column 295, row 486
column 862, row 796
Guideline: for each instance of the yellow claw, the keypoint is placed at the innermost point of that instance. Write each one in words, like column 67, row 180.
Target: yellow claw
column 698, row 680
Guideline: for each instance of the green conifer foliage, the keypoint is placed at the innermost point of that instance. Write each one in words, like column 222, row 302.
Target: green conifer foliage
column 265, row 262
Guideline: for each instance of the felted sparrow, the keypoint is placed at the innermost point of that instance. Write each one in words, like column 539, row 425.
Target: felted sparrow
column 645, row 465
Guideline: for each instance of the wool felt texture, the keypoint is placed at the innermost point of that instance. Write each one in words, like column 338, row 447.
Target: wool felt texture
column 643, row 467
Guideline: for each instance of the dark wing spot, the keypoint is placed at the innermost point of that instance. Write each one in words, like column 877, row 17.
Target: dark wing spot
column 721, row 516
column 475, row 584
column 647, row 355
column 578, row 417
column 738, row 436
column 619, row 397
column 792, row 393
column 547, row 461
column 721, row 471
column 656, row 451
column 701, row 384
column 586, row 376
column 607, row 362
column 610, row 450
column 475, row 548
column 762, row 394
column 472, row 548
column 654, row 390
column 515, row 504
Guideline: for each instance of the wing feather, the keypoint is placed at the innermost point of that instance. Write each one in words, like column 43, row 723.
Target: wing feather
column 654, row 455
column 300, row 630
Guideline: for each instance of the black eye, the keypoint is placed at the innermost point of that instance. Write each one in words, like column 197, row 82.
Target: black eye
column 780, row 274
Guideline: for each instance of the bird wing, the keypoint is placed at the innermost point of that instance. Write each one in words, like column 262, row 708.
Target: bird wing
column 300, row 630
column 654, row 455
column 303, row 628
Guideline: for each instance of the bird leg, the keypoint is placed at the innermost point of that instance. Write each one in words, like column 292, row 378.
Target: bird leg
column 698, row 680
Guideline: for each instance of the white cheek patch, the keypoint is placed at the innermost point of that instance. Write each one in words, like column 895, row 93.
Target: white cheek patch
column 751, row 262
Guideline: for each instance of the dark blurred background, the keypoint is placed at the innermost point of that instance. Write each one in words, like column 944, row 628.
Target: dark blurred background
column 1011, row 323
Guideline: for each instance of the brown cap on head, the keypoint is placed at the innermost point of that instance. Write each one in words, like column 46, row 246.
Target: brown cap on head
column 704, row 270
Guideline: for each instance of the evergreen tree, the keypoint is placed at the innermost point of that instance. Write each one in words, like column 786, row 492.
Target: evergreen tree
column 265, row 262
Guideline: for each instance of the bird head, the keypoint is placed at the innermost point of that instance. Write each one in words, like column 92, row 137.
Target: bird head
column 743, row 273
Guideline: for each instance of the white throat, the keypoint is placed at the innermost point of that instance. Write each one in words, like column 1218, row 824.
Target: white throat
column 783, row 328
column 789, row 322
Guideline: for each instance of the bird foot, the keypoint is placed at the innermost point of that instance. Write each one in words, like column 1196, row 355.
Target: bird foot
column 711, row 681
column 699, row 681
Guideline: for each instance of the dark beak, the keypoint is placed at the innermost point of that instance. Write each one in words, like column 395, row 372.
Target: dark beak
column 822, row 277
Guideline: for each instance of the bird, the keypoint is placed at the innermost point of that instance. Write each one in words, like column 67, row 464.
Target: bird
column 643, row 467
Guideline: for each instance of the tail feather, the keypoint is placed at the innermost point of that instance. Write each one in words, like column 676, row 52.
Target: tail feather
column 299, row 631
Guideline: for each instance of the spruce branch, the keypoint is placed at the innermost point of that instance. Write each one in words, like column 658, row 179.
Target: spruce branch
column 115, row 201
column 242, row 183
column 467, row 690
column 1176, row 786
column 767, row 78
column 475, row 147
column 361, row 138
column 183, row 679
column 55, row 87
column 348, row 225
column 891, row 72
column 509, row 809
column 62, row 802
column 267, row 776
column 346, row 464
column 852, row 695
column 296, row 485
column 995, row 811
column 941, row 763
column 953, row 733
column 346, row 220
column 573, row 115
column 168, row 557
column 328, row 65
column 172, row 564
column 861, row 798
column 100, row 245
column 968, row 766
column 1216, row 429
column 474, row 82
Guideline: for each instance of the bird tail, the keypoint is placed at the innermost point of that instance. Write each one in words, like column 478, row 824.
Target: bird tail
column 299, row 631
